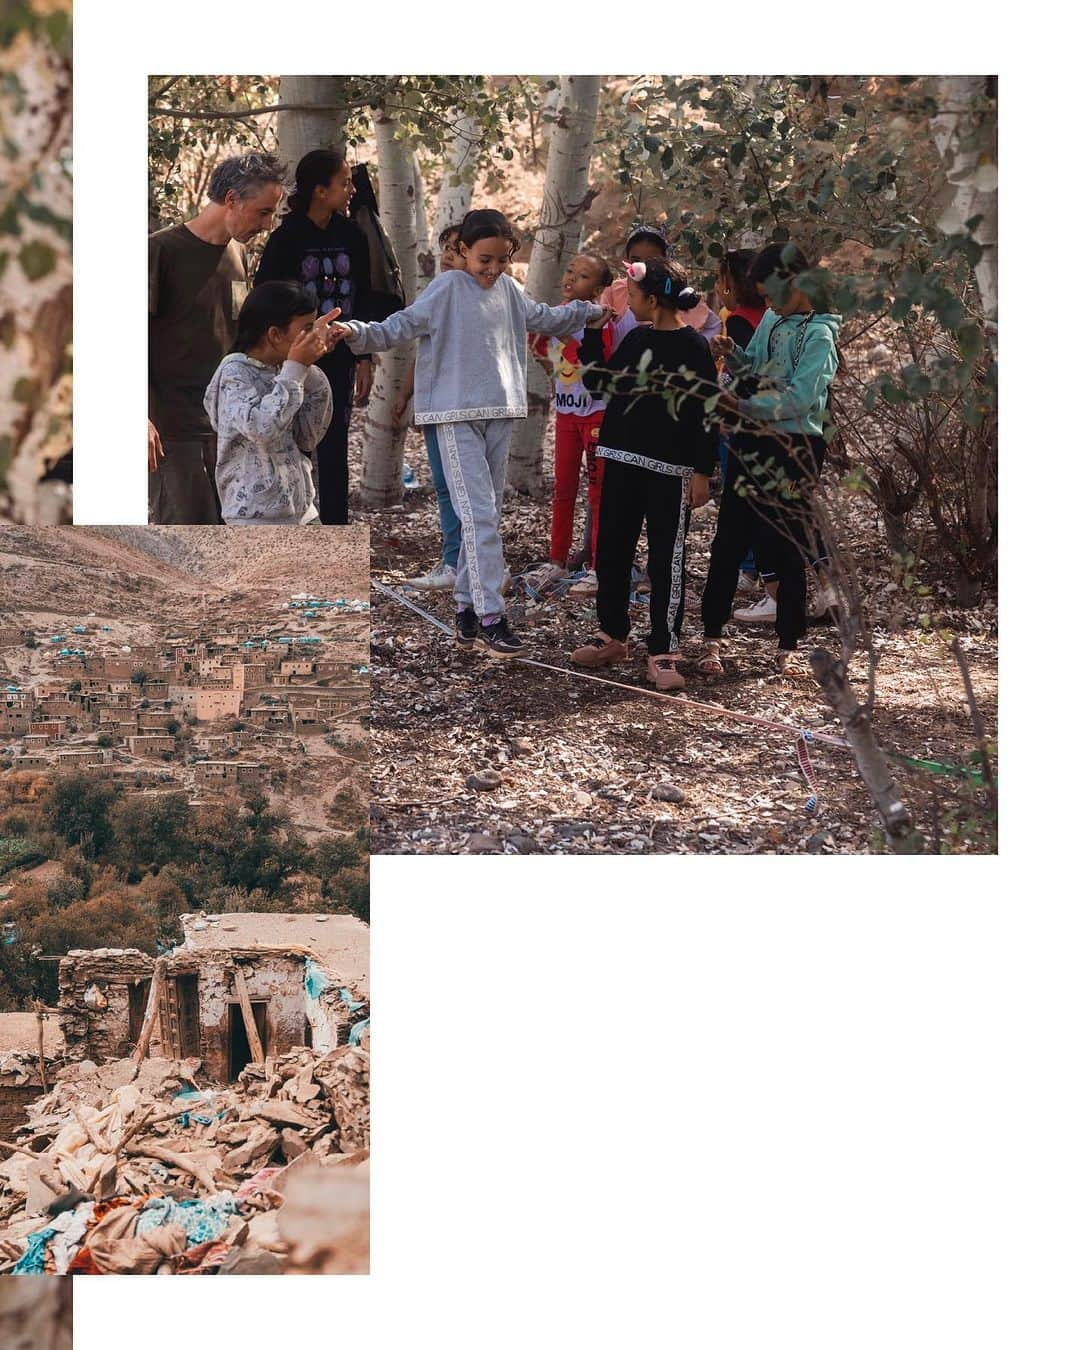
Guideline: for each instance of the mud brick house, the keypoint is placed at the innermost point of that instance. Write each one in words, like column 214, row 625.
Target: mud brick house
column 155, row 743
column 52, row 731
column 31, row 763
column 10, row 636
column 207, row 703
column 240, row 987
column 16, row 713
column 228, row 773
column 78, row 759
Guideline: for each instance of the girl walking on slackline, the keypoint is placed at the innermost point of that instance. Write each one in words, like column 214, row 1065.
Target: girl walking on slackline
column 470, row 386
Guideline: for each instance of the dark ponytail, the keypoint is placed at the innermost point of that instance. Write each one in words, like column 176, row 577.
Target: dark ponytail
column 270, row 305
column 316, row 169
column 667, row 282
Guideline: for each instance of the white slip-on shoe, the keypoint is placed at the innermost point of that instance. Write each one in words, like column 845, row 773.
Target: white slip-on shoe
column 763, row 612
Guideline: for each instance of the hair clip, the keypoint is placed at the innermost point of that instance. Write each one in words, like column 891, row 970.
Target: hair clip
column 687, row 290
column 635, row 270
column 667, row 285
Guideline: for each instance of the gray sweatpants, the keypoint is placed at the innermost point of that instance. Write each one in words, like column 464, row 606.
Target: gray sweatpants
column 474, row 456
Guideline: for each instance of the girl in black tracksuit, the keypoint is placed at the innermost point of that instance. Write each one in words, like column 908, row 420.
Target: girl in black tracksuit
column 658, row 459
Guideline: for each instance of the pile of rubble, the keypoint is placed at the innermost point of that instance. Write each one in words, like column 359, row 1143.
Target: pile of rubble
column 140, row 1168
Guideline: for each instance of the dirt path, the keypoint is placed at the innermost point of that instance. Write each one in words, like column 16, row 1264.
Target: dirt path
column 584, row 768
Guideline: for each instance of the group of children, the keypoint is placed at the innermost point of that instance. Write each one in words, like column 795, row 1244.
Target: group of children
column 654, row 394
column 652, row 390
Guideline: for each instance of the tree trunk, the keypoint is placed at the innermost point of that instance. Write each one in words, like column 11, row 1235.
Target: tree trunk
column 459, row 175
column 426, row 259
column 872, row 765
column 321, row 128
column 35, row 278
column 972, row 186
column 383, row 447
column 566, row 200
column 35, row 1314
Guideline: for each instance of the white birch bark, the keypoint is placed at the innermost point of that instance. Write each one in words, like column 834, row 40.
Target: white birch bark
column 320, row 126
column 566, row 200
column 383, row 447
column 459, row 175
column 970, row 172
column 427, row 264
column 35, row 279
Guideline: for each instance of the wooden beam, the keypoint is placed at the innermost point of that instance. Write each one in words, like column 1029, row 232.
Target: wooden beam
column 151, row 1014
column 249, row 1016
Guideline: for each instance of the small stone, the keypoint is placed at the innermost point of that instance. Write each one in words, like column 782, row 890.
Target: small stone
column 487, row 780
column 667, row 792
column 817, row 841
column 482, row 843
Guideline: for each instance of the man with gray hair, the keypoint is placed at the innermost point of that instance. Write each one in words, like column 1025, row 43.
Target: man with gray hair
column 198, row 281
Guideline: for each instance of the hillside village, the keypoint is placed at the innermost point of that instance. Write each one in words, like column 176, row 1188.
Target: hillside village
column 197, row 711
column 262, row 687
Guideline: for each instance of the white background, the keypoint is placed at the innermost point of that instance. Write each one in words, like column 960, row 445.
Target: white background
column 684, row 1102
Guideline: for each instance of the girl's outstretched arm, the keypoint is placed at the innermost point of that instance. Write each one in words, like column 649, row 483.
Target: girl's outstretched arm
column 560, row 320
column 309, row 426
column 406, row 324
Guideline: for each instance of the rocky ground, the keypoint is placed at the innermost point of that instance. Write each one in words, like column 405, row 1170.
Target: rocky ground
column 470, row 755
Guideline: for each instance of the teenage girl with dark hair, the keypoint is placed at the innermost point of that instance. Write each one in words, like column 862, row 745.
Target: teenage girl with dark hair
column 658, row 456
column 270, row 405
column 318, row 246
column 470, row 385
column 777, row 452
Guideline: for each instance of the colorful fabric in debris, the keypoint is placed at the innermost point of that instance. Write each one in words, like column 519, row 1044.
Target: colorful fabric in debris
column 201, row 1220
column 32, row 1261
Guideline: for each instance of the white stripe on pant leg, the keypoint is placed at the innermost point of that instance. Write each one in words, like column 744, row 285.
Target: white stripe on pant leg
column 677, row 555
column 447, row 438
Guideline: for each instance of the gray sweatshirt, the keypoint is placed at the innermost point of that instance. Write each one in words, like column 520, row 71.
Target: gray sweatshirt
column 470, row 360
column 264, row 419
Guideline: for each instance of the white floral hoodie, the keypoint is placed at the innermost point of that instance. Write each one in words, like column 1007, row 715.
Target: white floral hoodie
column 265, row 420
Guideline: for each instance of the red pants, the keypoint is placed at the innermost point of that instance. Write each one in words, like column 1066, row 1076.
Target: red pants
column 572, row 435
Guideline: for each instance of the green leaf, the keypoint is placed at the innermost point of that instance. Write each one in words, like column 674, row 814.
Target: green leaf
column 969, row 338
column 737, row 153
column 37, row 259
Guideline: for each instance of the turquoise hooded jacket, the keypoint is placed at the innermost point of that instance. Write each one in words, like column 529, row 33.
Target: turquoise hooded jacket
column 795, row 402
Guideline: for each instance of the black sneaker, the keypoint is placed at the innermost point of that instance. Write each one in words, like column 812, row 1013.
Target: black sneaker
column 468, row 628
column 497, row 640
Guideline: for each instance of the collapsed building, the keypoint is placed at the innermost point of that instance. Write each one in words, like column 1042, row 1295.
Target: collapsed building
column 208, row 1108
column 238, row 988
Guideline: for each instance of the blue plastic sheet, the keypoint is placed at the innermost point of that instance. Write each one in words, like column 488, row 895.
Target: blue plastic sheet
column 356, row 1034
column 314, row 979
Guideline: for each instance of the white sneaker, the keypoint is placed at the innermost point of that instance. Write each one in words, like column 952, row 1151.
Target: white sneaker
column 748, row 584
column 763, row 612
column 586, row 586
column 441, row 578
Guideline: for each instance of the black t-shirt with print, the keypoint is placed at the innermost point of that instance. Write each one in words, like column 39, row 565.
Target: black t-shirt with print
column 332, row 264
